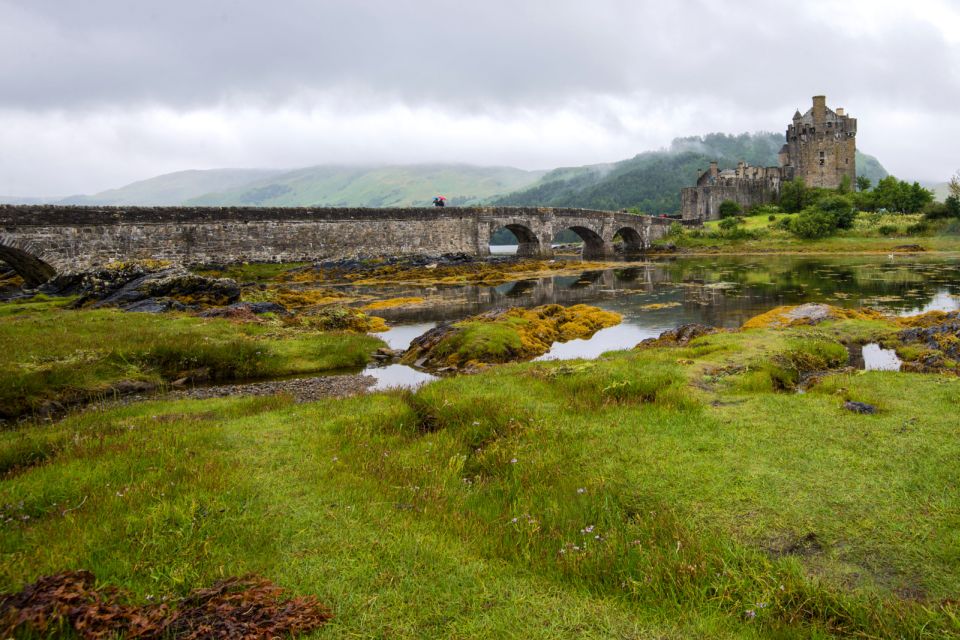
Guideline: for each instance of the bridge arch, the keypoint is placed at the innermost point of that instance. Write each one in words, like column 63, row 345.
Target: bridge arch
column 632, row 240
column 26, row 260
column 528, row 244
column 593, row 244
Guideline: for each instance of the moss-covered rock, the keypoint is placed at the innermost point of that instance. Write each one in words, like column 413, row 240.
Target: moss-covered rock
column 506, row 336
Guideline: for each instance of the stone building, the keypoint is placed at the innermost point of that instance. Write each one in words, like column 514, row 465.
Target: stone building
column 820, row 148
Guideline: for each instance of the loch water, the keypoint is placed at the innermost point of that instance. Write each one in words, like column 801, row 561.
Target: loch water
column 655, row 295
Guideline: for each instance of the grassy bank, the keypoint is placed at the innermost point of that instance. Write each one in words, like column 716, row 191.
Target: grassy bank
column 49, row 353
column 665, row 492
column 871, row 233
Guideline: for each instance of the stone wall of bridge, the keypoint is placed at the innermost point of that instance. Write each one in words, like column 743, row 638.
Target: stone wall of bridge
column 75, row 237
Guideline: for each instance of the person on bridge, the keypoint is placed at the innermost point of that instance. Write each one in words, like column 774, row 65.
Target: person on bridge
column 439, row 201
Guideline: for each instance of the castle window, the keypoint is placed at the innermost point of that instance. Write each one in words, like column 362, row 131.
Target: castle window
column 822, row 159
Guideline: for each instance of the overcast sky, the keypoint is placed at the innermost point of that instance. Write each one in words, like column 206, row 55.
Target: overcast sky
column 97, row 93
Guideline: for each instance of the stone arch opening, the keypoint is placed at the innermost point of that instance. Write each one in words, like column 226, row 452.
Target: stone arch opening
column 593, row 245
column 31, row 268
column 522, row 236
column 628, row 240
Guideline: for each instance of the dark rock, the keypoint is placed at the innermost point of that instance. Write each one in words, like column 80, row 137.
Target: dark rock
column 859, row 407
column 680, row 336
column 125, row 285
column 243, row 309
column 155, row 305
column 125, row 387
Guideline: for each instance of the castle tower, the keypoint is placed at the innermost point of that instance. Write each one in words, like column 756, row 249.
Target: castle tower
column 821, row 146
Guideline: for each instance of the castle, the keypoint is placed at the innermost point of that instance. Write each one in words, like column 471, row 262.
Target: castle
column 820, row 149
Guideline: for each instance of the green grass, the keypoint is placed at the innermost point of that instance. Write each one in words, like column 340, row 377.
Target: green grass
column 472, row 507
column 48, row 353
column 250, row 271
column 865, row 237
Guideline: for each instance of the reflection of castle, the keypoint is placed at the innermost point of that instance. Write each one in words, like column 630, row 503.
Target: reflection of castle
column 820, row 149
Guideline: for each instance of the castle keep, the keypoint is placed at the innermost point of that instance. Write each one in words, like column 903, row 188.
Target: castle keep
column 820, row 149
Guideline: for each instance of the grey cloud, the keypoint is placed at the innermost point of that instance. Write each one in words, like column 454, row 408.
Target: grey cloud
column 466, row 56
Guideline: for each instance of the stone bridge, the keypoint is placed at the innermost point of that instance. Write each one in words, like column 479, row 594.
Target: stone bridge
column 40, row 240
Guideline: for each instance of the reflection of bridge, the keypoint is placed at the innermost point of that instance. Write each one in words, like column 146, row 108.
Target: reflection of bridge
column 38, row 241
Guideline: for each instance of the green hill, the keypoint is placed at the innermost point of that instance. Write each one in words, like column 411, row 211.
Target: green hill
column 651, row 181
column 174, row 188
column 386, row 186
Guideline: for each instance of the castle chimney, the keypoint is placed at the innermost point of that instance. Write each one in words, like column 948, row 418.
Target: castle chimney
column 840, row 111
column 713, row 168
column 819, row 108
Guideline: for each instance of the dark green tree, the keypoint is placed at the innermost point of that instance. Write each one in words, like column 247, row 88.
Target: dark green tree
column 793, row 195
column 863, row 183
column 729, row 209
column 844, row 185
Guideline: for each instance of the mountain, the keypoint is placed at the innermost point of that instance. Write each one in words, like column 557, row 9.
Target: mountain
column 651, row 181
column 173, row 188
column 384, row 186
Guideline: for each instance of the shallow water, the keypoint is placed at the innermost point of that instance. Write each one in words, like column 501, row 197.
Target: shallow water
column 722, row 291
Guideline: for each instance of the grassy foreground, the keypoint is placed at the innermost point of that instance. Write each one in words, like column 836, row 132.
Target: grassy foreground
column 52, row 354
column 665, row 492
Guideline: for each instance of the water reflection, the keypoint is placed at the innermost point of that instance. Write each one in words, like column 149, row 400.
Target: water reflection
column 397, row 376
column 721, row 291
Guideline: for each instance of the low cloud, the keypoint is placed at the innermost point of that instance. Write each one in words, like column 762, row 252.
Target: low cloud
column 102, row 92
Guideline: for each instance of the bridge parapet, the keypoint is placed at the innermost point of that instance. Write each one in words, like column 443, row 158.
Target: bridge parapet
column 64, row 237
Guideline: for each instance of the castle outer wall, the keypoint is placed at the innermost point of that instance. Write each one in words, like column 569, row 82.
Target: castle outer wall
column 820, row 149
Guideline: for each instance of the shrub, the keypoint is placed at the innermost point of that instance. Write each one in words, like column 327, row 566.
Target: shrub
column 840, row 208
column 771, row 217
column 887, row 230
column 812, row 223
column 729, row 224
column 765, row 209
column 729, row 208
column 824, row 218
column 936, row 211
column 917, row 228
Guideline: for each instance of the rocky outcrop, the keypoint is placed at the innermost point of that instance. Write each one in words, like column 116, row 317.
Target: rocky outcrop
column 144, row 287
column 500, row 336
column 678, row 337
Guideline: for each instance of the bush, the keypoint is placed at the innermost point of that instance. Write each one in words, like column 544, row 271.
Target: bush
column 771, row 217
column 887, row 230
column 822, row 219
column 765, row 209
column 840, row 208
column 729, row 208
column 812, row 223
column 936, row 211
column 918, row 228
column 730, row 223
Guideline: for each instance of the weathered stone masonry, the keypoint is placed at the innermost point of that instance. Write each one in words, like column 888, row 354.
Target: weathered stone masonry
column 38, row 240
column 820, row 149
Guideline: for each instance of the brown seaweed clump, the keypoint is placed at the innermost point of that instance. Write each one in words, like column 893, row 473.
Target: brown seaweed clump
column 247, row 608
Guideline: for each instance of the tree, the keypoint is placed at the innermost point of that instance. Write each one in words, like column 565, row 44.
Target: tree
column 918, row 197
column 897, row 195
column 863, row 183
column 954, row 185
column 844, row 185
column 952, row 204
column 793, row 195
column 729, row 209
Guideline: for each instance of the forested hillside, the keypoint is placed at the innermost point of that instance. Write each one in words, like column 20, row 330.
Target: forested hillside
column 651, row 181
